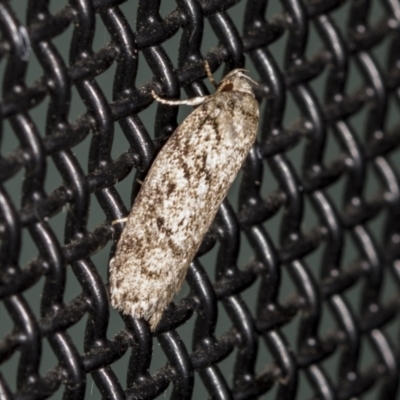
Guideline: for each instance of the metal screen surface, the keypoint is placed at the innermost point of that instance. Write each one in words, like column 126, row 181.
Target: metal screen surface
column 295, row 292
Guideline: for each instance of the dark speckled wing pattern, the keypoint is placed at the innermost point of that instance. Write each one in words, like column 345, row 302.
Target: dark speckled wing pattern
column 178, row 201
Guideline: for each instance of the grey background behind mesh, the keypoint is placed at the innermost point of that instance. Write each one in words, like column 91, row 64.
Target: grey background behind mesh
column 120, row 145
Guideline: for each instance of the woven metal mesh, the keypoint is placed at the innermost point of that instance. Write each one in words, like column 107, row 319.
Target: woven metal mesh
column 296, row 290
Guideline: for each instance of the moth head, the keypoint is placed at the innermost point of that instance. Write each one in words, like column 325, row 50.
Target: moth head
column 237, row 81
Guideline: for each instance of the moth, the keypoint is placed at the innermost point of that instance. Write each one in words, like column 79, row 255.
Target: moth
column 180, row 196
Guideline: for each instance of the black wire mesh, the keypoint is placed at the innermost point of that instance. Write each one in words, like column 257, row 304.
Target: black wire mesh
column 325, row 321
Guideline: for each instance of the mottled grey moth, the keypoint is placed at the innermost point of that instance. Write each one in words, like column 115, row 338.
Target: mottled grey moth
column 180, row 196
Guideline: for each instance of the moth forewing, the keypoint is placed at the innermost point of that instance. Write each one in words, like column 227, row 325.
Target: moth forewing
column 180, row 196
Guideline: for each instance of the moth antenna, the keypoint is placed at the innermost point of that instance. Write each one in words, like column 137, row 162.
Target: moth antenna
column 209, row 74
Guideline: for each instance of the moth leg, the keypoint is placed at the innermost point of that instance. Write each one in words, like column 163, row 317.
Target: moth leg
column 119, row 221
column 195, row 101
column 209, row 74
